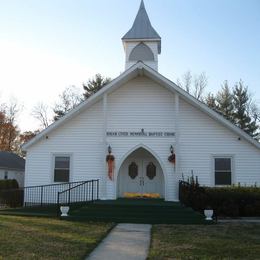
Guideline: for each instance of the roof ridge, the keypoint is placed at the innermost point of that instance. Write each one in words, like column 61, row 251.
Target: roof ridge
column 155, row 75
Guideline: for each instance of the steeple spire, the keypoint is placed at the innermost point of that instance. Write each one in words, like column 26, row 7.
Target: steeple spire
column 142, row 27
column 142, row 42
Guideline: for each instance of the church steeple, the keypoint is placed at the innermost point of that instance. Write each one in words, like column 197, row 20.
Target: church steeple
column 142, row 42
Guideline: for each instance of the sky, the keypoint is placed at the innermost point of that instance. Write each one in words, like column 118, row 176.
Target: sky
column 46, row 46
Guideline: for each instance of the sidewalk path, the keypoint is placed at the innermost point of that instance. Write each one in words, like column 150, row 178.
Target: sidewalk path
column 125, row 241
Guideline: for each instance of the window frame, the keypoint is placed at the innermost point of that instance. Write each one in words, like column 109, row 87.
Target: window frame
column 54, row 155
column 232, row 169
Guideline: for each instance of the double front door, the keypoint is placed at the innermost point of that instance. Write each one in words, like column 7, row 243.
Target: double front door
column 140, row 176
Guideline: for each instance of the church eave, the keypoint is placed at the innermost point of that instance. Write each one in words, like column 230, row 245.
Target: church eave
column 141, row 69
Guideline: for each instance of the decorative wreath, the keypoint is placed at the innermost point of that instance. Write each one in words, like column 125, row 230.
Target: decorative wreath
column 172, row 158
column 110, row 157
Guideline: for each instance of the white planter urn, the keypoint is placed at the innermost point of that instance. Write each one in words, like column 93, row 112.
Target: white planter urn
column 64, row 211
column 208, row 214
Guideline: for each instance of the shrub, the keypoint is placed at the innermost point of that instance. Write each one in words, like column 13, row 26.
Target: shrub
column 10, row 194
column 8, row 184
column 226, row 201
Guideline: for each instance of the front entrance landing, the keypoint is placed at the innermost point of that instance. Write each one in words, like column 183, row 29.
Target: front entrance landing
column 146, row 211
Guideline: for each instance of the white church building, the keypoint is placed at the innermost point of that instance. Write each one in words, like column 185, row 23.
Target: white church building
column 153, row 130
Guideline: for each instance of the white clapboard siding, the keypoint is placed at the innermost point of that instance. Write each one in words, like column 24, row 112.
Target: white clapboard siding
column 202, row 138
column 142, row 104
column 81, row 138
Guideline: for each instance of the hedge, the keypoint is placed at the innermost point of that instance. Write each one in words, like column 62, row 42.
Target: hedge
column 234, row 201
column 10, row 194
column 8, row 184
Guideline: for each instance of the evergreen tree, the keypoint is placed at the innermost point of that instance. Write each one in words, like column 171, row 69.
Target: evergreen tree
column 94, row 85
column 241, row 115
column 211, row 102
column 224, row 100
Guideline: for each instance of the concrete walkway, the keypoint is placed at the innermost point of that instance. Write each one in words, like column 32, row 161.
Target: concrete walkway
column 125, row 241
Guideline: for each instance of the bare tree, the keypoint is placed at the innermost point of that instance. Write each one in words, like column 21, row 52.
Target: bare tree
column 68, row 99
column 186, row 81
column 41, row 113
column 194, row 85
column 200, row 83
column 9, row 131
column 13, row 109
column 253, row 110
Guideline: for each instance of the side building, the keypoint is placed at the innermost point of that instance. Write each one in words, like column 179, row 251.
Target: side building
column 12, row 166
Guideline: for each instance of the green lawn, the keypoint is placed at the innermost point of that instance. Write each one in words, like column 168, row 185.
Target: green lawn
column 46, row 238
column 222, row 241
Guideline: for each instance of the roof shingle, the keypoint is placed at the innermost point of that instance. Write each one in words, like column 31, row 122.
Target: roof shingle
column 142, row 28
column 11, row 161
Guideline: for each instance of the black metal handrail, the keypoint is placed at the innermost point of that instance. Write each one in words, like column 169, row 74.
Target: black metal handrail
column 83, row 192
column 50, row 194
column 43, row 195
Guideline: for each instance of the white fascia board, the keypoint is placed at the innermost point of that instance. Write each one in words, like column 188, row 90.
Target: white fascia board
column 142, row 40
column 120, row 80
column 142, row 69
column 157, row 77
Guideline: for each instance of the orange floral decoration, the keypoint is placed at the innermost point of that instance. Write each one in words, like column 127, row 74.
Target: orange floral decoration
column 110, row 165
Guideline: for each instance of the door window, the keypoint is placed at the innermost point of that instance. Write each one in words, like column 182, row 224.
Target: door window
column 150, row 170
column 133, row 170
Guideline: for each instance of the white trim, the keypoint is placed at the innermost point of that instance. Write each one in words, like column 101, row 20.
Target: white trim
column 142, row 40
column 233, row 174
column 117, row 82
column 105, row 179
column 70, row 155
column 129, row 74
column 177, row 135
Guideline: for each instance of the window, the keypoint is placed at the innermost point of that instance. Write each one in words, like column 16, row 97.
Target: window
column 141, row 52
column 133, row 170
column 6, row 175
column 151, row 171
column 62, row 169
column 223, row 171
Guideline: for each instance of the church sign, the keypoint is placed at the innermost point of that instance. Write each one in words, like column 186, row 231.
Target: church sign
column 141, row 133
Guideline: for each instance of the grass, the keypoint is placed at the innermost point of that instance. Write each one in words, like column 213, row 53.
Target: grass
column 46, row 238
column 222, row 241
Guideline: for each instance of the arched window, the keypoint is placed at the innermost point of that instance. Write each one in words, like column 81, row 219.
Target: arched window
column 150, row 170
column 133, row 170
column 141, row 52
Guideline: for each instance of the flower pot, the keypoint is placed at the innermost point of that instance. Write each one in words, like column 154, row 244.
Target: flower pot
column 208, row 214
column 64, row 211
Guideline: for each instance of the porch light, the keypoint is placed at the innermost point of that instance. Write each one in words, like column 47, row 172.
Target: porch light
column 171, row 149
column 109, row 149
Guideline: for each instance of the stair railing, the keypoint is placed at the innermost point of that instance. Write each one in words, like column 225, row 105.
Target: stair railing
column 87, row 191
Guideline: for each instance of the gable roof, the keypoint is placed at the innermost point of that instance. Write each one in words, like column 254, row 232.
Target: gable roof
column 142, row 27
column 143, row 70
column 11, row 161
